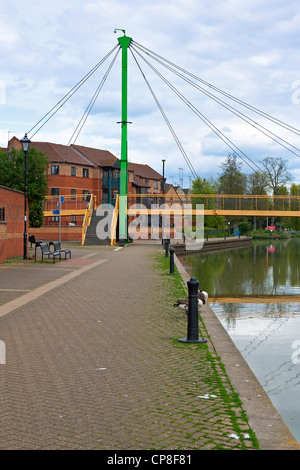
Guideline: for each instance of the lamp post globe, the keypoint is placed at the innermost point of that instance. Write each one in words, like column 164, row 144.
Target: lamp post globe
column 25, row 142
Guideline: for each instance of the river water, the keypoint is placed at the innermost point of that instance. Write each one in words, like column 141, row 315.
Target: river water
column 255, row 292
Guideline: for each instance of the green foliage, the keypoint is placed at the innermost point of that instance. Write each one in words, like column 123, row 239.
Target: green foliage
column 36, row 214
column 273, row 179
column 244, row 227
column 232, row 180
column 203, row 186
column 12, row 175
column 295, row 189
column 267, row 234
column 257, row 183
column 215, row 222
column 294, row 223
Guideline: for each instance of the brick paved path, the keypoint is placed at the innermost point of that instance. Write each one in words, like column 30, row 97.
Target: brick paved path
column 94, row 363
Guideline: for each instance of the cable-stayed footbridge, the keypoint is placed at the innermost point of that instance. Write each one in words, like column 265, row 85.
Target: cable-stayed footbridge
column 241, row 205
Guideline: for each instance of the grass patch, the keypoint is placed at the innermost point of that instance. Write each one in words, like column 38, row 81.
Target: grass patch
column 13, row 260
column 174, row 281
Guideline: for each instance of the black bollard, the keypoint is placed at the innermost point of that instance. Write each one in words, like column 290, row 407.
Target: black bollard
column 193, row 315
column 171, row 260
column 167, row 248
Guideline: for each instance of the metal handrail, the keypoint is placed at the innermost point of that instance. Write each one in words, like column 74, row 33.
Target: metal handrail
column 87, row 218
column 114, row 222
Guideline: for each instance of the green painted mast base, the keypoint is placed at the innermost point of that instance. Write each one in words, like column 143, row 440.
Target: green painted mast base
column 124, row 42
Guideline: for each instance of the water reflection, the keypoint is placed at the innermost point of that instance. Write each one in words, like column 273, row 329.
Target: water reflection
column 266, row 334
column 263, row 269
column 255, row 292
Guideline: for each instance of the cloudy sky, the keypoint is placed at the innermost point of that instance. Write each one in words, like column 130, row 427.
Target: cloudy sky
column 247, row 48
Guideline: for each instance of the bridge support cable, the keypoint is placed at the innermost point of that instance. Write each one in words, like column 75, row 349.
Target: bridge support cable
column 218, row 90
column 217, row 131
column 272, row 135
column 66, row 97
column 92, row 102
column 166, row 120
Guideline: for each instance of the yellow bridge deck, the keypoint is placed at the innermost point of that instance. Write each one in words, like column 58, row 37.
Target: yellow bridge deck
column 211, row 204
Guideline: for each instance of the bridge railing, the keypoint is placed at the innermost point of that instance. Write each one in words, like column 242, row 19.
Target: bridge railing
column 214, row 203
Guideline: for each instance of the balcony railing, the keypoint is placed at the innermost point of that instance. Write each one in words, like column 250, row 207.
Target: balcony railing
column 114, row 182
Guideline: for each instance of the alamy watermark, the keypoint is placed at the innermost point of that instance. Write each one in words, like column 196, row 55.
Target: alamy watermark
column 2, row 352
column 296, row 93
column 179, row 222
column 296, row 353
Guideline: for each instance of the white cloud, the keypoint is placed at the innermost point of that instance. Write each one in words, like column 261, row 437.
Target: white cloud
column 8, row 36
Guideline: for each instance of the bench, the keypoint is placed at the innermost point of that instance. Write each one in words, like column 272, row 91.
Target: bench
column 46, row 251
column 32, row 240
column 58, row 249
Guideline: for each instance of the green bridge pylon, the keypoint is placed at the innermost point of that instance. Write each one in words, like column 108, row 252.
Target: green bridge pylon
column 124, row 42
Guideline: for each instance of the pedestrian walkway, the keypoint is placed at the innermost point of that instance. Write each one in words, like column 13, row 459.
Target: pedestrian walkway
column 93, row 361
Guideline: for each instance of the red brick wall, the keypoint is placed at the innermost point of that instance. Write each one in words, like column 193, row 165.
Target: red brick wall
column 51, row 233
column 3, row 227
column 65, row 182
column 12, row 243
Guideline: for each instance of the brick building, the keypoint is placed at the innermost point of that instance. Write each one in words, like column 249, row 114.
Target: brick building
column 11, row 223
column 76, row 171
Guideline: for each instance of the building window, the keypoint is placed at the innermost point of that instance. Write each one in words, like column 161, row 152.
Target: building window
column 155, row 184
column 73, row 171
column 146, row 181
column 85, row 172
column 54, row 170
column 85, row 194
column 116, row 174
column 54, row 218
column 54, row 191
column 73, row 193
column 73, row 219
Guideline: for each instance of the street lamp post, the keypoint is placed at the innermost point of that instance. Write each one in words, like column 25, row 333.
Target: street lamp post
column 163, row 176
column 164, row 201
column 25, row 146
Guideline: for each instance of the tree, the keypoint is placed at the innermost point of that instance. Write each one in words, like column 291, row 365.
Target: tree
column 294, row 222
column 203, row 186
column 232, row 180
column 295, row 189
column 257, row 184
column 12, row 175
column 276, row 172
column 277, row 176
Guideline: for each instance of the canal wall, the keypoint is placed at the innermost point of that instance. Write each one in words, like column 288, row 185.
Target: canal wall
column 270, row 429
column 213, row 244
